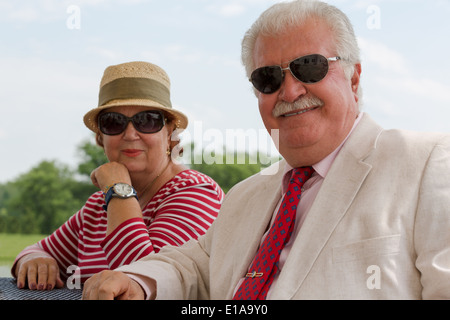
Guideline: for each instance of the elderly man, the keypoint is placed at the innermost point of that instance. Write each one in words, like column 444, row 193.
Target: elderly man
column 373, row 218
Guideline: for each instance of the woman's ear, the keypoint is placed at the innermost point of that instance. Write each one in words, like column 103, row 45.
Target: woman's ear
column 99, row 139
column 174, row 142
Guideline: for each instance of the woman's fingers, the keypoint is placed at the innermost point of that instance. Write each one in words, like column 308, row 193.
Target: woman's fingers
column 40, row 273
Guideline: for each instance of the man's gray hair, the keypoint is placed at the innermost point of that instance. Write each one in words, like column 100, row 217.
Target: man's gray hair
column 281, row 16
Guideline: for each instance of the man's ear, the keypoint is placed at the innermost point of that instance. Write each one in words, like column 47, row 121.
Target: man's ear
column 355, row 80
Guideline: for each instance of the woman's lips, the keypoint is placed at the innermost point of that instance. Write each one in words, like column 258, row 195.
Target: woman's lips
column 132, row 153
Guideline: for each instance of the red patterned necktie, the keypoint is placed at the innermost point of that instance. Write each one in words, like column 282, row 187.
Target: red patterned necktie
column 264, row 266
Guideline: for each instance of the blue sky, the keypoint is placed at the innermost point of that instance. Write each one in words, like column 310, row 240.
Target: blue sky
column 51, row 64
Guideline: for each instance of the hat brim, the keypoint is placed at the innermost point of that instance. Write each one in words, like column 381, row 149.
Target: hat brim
column 90, row 118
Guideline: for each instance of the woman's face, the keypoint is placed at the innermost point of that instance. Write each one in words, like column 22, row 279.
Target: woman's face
column 139, row 152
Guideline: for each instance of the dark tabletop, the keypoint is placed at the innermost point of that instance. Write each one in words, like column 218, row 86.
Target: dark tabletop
column 9, row 291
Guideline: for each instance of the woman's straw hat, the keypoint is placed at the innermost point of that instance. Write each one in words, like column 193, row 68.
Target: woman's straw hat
column 135, row 84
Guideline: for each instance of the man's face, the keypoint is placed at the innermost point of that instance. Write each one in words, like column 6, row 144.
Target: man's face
column 307, row 138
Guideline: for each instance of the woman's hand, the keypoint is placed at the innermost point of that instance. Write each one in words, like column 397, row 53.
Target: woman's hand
column 110, row 173
column 119, row 210
column 40, row 271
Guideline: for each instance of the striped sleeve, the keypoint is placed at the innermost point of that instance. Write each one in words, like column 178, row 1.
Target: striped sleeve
column 186, row 212
column 34, row 248
column 127, row 243
column 61, row 245
column 182, row 210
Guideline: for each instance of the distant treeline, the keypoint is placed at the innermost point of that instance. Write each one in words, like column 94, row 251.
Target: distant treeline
column 42, row 199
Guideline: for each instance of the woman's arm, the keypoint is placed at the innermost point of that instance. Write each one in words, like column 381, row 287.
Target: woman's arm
column 184, row 211
column 39, row 265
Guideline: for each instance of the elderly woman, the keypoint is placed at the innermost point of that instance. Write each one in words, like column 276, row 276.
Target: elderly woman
column 147, row 200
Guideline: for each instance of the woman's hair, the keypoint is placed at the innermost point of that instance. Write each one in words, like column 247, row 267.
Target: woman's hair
column 282, row 16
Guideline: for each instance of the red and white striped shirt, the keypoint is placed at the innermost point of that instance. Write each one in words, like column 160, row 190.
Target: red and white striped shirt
column 183, row 209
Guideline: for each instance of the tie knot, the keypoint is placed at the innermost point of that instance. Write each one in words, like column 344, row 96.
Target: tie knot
column 301, row 175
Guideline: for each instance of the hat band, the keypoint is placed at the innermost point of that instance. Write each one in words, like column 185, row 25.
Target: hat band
column 135, row 88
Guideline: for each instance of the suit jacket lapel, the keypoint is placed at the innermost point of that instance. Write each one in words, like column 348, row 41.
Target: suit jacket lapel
column 338, row 191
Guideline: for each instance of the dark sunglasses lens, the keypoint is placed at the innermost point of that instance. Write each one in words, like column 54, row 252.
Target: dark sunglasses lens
column 267, row 79
column 112, row 123
column 148, row 121
column 310, row 69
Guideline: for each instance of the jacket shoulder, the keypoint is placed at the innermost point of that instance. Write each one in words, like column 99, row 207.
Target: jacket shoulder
column 407, row 142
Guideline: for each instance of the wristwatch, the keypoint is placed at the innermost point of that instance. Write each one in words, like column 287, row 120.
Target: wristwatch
column 119, row 190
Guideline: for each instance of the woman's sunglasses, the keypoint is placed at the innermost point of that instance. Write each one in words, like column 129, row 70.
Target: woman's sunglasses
column 113, row 123
column 307, row 69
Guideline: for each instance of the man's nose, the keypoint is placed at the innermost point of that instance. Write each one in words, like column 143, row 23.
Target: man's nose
column 291, row 88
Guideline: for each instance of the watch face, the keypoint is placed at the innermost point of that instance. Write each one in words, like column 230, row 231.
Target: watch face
column 123, row 189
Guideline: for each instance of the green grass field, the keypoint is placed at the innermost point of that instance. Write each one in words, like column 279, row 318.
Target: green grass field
column 12, row 244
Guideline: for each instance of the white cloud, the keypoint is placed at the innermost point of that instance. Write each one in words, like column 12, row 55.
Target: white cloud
column 104, row 53
column 400, row 95
column 173, row 52
column 383, row 56
column 24, row 14
column 428, row 88
column 32, row 11
column 425, row 88
column 238, row 8
column 231, row 10
column 26, row 11
column 397, row 75
column 180, row 53
column 43, row 105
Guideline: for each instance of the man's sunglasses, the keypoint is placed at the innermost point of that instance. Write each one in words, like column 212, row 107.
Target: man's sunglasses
column 113, row 123
column 307, row 69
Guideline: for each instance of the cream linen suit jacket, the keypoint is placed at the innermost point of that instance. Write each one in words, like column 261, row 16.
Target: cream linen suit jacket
column 379, row 228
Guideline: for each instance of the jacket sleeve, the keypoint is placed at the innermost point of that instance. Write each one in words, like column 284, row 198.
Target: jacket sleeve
column 181, row 273
column 432, row 227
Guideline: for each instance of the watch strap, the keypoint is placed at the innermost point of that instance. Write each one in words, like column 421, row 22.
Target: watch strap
column 110, row 193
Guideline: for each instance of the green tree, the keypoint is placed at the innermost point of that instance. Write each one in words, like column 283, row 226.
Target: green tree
column 42, row 199
column 228, row 169
column 7, row 191
column 91, row 156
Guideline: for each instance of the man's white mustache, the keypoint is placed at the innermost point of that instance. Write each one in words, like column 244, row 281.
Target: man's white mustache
column 304, row 103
